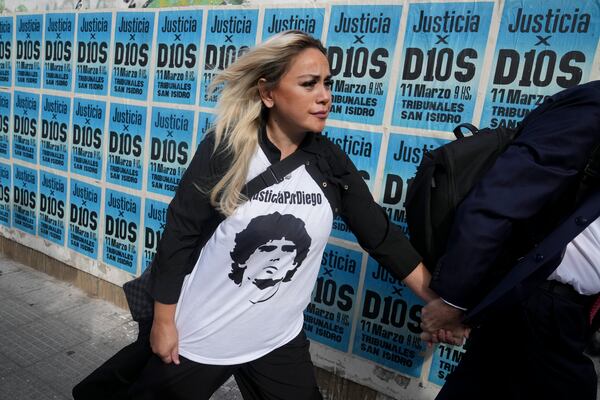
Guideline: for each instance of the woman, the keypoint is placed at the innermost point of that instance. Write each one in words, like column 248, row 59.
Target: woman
column 254, row 262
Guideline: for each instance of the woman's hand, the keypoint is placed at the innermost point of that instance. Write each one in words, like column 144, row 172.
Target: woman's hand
column 164, row 339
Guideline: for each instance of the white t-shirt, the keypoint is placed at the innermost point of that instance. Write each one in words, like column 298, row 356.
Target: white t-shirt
column 254, row 277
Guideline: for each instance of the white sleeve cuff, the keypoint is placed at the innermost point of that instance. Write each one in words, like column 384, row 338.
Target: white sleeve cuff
column 453, row 305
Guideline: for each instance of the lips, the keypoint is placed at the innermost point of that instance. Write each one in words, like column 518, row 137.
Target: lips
column 321, row 114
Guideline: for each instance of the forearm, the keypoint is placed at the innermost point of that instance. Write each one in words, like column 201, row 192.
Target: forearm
column 164, row 313
column 418, row 281
column 164, row 339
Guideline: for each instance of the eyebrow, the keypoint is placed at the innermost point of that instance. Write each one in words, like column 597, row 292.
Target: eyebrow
column 267, row 248
column 314, row 76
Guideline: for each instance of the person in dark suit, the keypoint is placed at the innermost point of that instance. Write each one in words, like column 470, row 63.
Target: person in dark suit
column 507, row 272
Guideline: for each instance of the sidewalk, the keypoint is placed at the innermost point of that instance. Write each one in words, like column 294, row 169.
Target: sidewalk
column 52, row 335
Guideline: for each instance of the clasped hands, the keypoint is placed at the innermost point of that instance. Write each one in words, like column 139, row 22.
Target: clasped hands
column 441, row 322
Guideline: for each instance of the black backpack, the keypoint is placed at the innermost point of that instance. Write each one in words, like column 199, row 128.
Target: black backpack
column 443, row 179
column 447, row 174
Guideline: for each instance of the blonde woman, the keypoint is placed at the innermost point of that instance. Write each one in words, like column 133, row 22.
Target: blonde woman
column 232, row 275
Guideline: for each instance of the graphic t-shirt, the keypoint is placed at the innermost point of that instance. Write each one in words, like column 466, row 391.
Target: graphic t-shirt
column 254, row 277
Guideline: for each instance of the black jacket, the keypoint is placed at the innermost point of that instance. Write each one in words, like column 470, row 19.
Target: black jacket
column 191, row 219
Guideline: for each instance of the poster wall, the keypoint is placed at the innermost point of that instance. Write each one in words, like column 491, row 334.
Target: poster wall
column 102, row 110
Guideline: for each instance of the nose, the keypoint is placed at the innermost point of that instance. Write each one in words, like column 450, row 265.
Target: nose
column 323, row 94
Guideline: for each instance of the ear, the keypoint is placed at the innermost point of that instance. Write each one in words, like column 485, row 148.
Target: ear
column 265, row 94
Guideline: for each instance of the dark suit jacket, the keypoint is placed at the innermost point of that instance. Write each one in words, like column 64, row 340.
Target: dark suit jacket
column 517, row 199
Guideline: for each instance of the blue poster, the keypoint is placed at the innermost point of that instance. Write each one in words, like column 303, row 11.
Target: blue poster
column 56, row 113
column 87, row 137
column 25, row 126
column 93, row 48
column 308, row 20
column 388, row 329
column 205, row 122
column 170, row 146
column 154, row 225
column 360, row 49
column 126, row 145
column 132, row 55
column 445, row 360
column 6, row 51
column 328, row 317
column 363, row 149
column 84, row 218
column 59, row 51
column 25, row 193
column 5, row 185
column 444, row 48
column 543, row 47
column 121, row 230
column 5, row 108
column 53, row 204
column 29, row 51
column 404, row 153
column 229, row 34
column 178, row 56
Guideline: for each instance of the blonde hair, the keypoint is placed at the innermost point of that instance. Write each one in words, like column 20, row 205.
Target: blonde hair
column 240, row 111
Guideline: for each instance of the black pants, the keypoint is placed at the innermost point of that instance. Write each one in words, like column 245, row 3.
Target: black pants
column 115, row 376
column 286, row 373
column 532, row 351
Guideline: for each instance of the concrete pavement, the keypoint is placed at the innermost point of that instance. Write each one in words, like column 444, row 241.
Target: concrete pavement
column 52, row 335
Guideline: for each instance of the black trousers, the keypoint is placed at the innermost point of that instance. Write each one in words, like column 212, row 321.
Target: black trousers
column 532, row 351
column 286, row 373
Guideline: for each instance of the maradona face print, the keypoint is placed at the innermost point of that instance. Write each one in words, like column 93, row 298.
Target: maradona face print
column 267, row 254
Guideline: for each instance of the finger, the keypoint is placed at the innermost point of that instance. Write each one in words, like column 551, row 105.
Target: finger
column 448, row 336
column 426, row 337
column 457, row 338
column 434, row 338
column 175, row 354
column 166, row 359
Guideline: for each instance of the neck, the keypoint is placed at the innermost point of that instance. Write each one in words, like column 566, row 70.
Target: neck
column 285, row 142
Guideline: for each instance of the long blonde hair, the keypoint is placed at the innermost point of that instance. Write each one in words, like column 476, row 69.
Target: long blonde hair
column 240, row 112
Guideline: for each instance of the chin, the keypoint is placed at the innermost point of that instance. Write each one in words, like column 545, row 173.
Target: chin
column 317, row 128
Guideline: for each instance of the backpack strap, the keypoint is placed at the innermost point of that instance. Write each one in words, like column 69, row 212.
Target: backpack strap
column 277, row 172
column 458, row 132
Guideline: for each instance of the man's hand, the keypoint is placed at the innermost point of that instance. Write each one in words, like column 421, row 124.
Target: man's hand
column 442, row 323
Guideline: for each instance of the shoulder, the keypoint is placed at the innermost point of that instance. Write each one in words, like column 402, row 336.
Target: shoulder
column 332, row 153
column 587, row 94
column 208, row 165
column 590, row 89
column 215, row 158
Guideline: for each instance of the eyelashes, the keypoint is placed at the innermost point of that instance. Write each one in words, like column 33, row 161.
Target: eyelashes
column 309, row 84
